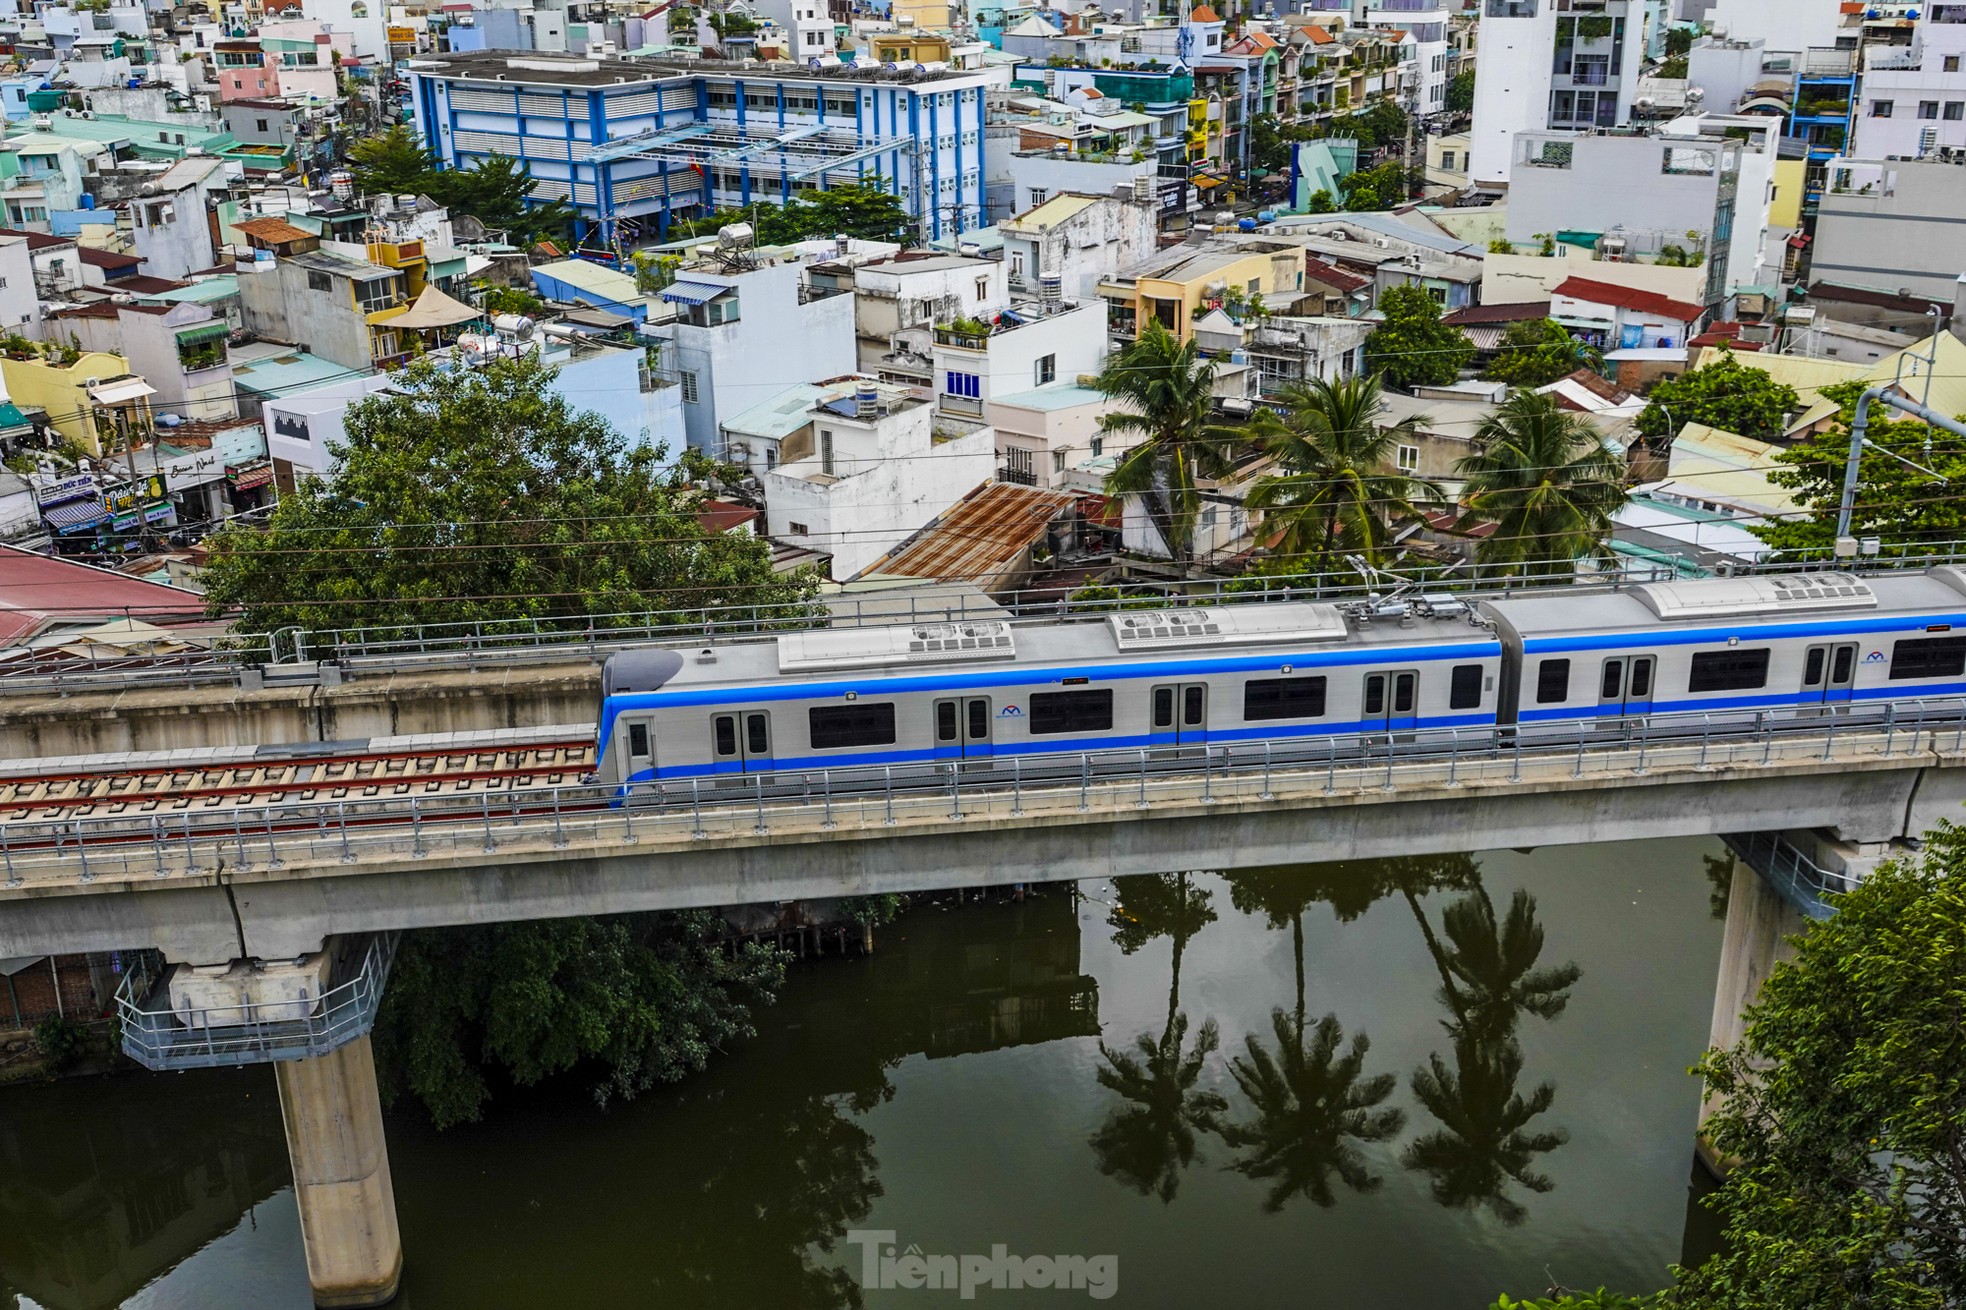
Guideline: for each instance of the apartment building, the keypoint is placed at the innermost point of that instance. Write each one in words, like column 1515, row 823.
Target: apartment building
column 630, row 143
column 1551, row 64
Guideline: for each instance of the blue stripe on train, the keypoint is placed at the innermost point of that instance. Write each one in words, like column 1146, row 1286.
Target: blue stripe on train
column 1881, row 625
column 1071, row 746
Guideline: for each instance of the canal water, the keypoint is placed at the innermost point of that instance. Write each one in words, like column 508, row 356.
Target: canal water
column 1486, row 1090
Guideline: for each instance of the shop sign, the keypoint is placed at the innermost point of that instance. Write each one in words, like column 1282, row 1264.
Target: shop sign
column 137, row 491
column 54, row 491
column 194, row 470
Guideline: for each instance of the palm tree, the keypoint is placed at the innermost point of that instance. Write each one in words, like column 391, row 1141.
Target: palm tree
column 1151, row 1137
column 1337, row 491
column 1312, row 1106
column 1168, row 391
column 1541, row 474
column 1482, row 1145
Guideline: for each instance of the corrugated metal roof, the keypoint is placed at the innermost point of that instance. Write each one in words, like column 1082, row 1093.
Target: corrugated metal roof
column 979, row 539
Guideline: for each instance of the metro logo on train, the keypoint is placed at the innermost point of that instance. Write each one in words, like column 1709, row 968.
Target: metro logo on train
column 1290, row 676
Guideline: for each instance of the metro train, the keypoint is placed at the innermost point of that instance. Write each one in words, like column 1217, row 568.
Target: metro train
column 1290, row 673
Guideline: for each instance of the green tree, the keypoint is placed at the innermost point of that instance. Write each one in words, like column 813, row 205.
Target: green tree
column 498, row 192
column 1151, row 1137
column 1460, row 92
column 1412, row 347
column 867, row 210
column 1269, row 150
column 1167, row 388
column 1336, row 491
column 1311, row 1106
column 1380, row 187
column 1541, row 474
column 1843, row 1109
column 1538, row 351
column 1726, row 394
column 394, row 162
column 644, row 998
column 1679, row 40
column 482, row 495
column 1906, row 507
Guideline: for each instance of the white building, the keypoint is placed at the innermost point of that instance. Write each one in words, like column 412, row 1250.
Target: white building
column 871, row 464
column 1027, row 346
column 20, row 307
column 1543, row 68
column 1782, row 24
column 1074, row 242
column 1426, row 22
column 897, row 303
column 1913, row 98
column 170, row 225
column 738, row 338
column 1045, row 433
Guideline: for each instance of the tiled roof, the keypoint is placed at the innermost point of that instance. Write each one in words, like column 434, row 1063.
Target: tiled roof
column 1647, row 302
column 99, row 258
column 1474, row 315
column 1203, row 14
column 43, row 590
column 37, row 240
column 1333, row 276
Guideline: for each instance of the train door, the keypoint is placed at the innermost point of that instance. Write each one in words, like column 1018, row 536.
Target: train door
column 741, row 742
column 638, row 750
column 1829, row 672
column 1392, row 701
column 962, row 728
column 1180, row 713
column 1625, row 691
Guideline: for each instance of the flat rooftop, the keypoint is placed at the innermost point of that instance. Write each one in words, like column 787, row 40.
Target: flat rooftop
column 538, row 67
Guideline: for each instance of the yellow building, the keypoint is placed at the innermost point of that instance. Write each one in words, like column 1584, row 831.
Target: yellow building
column 912, row 47
column 1785, row 209
column 96, row 402
column 1184, row 285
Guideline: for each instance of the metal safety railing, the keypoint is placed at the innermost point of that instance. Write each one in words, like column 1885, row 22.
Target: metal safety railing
column 1797, row 878
column 161, row 1031
column 154, row 843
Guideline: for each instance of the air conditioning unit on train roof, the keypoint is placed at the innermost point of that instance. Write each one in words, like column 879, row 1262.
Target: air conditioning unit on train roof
column 1242, row 625
column 1713, row 598
column 916, row 643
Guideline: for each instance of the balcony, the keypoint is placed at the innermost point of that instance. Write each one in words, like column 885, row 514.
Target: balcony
column 1822, row 62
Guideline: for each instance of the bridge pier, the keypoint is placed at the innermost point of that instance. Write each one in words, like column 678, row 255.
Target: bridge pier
column 333, row 1116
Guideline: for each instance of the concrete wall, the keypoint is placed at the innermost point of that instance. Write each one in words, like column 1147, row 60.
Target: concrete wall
column 92, row 723
column 1910, row 232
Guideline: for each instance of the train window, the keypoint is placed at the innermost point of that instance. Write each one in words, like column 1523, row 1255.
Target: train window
column 979, row 718
column 1163, row 707
column 1846, row 664
column 1191, row 707
column 863, row 723
column 1405, row 686
column 757, row 737
column 1729, row 670
column 1812, row 668
column 1641, row 678
column 638, row 739
column 1283, row 698
column 726, row 732
column 1613, row 686
column 1928, row 657
column 1552, row 682
column 1071, row 711
column 1375, row 694
column 945, row 721
column 1464, row 690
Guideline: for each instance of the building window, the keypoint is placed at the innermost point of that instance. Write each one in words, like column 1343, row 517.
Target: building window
column 1057, row 462
column 1407, row 459
column 982, row 288
column 798, row 529
column 688, row 380
column 1047, row 369
column 1955, row 110
column 826, row 451
column 1928, row 109
column 1880, row 108
column 967, row 385
column 1098, row 447
column 262, row 124
column 1952, row 63
column 1017, row 266
column 1038, row 195
column 319, row 281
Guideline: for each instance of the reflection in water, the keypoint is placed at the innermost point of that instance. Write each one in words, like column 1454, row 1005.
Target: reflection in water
column 1489, row 978
column 1150, row 1137
column 946, row 1088
column 99, row 1201
column 1310, row 1105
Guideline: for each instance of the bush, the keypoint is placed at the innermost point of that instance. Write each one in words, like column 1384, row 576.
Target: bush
column 60, row 1041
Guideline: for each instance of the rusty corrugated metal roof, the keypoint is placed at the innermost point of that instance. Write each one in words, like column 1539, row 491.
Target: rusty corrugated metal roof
column 980, row 538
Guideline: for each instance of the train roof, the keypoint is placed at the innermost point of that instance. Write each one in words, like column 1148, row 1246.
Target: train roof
column 1759, row 598
column 913, row 649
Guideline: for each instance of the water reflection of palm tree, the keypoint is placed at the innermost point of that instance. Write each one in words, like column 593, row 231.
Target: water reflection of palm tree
column 1482, row 1145
column 1490, row 978
column 1151, row 1137
column 1311, row 1106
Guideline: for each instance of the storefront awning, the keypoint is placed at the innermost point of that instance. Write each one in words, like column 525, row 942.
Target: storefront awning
column 117, row 390
column 692, row 293
column 76, row 515
column 245, row 479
